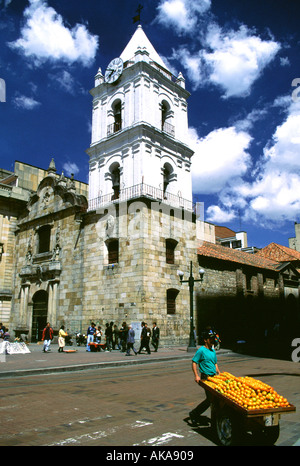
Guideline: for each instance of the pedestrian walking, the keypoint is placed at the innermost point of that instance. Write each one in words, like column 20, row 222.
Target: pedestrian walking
column 47, row 337
column 115, row 340
column 123, row 337
column 108, row 336
column 130, row 341
column 145, row 338
column 155, row 337
column 61, row 339
column 90, row 335
column 204, row 364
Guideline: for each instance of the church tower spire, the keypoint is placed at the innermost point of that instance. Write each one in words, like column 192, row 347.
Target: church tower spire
column 139, row 130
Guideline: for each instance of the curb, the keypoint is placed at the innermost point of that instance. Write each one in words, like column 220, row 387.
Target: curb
column 84, row 367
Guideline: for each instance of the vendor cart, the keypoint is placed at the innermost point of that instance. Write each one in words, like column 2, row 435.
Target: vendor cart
column 97, row 346
column 231, row 421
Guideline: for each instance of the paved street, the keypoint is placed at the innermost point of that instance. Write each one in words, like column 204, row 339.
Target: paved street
column 137, row 404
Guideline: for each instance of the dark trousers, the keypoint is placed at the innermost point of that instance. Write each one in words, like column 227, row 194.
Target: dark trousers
column 204, row 405
column 145, row 344
column 155, row 344
column 129, row 347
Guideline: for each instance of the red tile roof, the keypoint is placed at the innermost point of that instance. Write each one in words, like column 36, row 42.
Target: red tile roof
column 279, row 253
column 232, row 255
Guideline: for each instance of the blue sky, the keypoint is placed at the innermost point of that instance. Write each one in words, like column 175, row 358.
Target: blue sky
column 241, row 63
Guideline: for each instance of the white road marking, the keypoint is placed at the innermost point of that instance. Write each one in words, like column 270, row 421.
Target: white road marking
column 165, row 438
column 98, row 434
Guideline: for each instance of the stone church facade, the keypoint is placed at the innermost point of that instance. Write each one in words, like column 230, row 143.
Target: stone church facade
column 115, row 257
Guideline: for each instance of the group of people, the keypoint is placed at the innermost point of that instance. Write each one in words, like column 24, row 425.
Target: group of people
column 123, row 338
column 111, row 336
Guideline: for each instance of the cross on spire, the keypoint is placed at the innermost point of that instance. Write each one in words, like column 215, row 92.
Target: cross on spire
column 137, row 18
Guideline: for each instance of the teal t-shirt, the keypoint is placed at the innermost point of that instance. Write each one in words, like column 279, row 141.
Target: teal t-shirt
column 207, row 360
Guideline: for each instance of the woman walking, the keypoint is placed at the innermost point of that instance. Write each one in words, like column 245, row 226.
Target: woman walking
column 61, row 339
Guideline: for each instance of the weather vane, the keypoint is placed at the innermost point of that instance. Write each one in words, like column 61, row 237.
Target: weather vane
column 137, row 18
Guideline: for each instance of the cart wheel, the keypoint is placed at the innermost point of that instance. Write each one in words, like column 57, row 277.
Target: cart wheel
column 266, row 436
column 226, row 428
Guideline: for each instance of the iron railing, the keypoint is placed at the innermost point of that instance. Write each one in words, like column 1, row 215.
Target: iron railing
column 141, row 190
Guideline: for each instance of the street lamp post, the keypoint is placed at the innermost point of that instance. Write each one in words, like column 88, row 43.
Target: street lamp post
column 191, row 280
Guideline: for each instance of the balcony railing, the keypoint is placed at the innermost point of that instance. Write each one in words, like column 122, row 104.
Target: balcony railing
column 114, row 128
column 168, row 128
column 141, row 190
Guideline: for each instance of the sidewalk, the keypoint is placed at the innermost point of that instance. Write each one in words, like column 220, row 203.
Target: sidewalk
column 37, row 362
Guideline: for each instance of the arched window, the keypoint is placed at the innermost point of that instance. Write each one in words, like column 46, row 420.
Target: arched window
column 115, row 179
column 117, row 116
column 166, row 118
column 164, row 113
column 168, row 175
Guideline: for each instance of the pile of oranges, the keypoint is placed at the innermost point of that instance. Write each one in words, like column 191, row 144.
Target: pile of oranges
column 247, row 392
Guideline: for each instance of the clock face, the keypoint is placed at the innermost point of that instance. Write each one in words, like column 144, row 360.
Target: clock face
column 114, row 70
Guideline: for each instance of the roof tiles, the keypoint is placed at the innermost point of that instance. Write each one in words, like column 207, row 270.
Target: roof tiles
column 232, row 255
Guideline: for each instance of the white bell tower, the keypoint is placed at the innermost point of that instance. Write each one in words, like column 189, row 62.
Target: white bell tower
column 139, row 140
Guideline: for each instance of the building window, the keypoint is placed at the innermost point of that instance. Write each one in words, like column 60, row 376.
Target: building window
column 170, row 251
column 166, row 118
column 117, row 116
column 248, row 282
column 115, row 176
column 168, row 176
column 113, row 251
column 171, row 300
column 44, row 234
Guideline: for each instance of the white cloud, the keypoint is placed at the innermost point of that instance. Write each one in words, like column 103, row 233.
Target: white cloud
column 217, row 215
column 237, row 59
column 275, row 194
column 181, row 14
column 219, row 159
column 246, row 124
column 232, row 61
column 26, row 103
column 271, row 196
column 285, row 148
column 66, row 82
column 70, row 168
column 284, row 61
column 45, row 37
